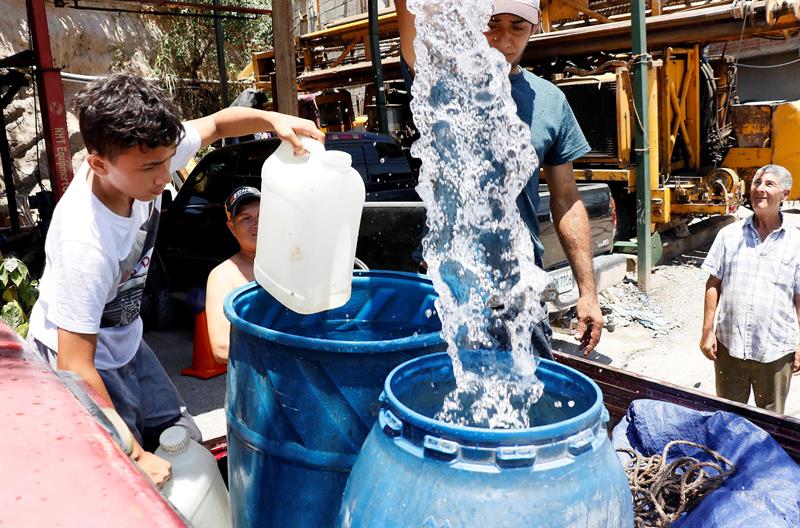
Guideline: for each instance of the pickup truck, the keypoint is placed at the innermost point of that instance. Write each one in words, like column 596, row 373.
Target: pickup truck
column 193, row 238
column 63, row 463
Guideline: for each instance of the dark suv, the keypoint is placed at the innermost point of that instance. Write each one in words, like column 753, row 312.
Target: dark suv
column 193, row 238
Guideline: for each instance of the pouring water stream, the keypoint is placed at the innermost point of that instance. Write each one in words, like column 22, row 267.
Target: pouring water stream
column 476, row 157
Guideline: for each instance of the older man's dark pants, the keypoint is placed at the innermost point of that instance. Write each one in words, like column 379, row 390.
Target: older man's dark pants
column 770, row 381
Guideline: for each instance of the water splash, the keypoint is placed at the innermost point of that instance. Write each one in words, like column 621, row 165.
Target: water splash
column 476, row 158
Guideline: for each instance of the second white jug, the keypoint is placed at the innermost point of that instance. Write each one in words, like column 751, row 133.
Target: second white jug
column 308, row 227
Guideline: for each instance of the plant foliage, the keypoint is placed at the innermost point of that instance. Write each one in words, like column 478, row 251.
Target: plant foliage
column 20, row 292
column 188, row 51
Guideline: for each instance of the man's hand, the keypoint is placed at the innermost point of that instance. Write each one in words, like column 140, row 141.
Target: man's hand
column 796, row 362
column 708, row 345
column 590, row 323
column 288, row 128
column 155, row 467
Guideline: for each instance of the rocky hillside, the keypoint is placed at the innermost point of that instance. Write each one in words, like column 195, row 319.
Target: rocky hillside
column 83, row 42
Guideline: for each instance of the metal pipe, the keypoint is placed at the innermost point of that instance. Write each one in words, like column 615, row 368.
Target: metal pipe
column 641, row 62
column 194, row 5
column 223, row 72
column 158, row 13
column 375, row 47
column 77, row 77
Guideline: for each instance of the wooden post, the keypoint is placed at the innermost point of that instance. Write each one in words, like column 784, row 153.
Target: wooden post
column 285, row 68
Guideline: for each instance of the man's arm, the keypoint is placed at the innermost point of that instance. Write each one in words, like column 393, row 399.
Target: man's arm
column 708, row 341
column 76, row 354
column 796, row 362
column 572, row 227
column 240, row 121
column 219, row 329
column 408, row 32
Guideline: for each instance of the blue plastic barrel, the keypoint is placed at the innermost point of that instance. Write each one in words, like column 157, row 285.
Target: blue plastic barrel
column 303, row 392
column 416, row 471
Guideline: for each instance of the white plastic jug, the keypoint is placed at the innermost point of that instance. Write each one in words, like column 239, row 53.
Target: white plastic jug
column 196, row 488
column 308, row 227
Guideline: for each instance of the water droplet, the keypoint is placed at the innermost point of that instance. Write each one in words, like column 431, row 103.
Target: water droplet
column 557, row 404
column 570, row 403
column 428, row 313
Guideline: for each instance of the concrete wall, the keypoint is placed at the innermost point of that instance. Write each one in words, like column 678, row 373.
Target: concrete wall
column 765, row 84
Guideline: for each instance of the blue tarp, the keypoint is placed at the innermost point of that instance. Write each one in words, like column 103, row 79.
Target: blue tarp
column 764, row 492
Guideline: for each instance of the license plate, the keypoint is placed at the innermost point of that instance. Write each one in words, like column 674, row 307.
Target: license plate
column 563, row 281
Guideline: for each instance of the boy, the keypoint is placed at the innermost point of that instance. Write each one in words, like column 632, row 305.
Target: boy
column 242, row 209
column 100, row 243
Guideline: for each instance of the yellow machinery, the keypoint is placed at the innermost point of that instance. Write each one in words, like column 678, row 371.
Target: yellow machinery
column 680, row 186
column 766, row 133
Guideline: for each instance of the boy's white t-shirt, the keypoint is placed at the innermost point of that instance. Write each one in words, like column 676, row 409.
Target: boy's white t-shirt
column 96, row 267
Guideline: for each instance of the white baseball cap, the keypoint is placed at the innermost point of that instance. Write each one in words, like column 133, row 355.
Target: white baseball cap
column 526, row 9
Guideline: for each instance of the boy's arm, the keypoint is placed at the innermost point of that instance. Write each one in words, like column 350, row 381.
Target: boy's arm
column 219, row 329
column 76, row 354
column 240, row 121
column 408, row 32
column 572, row 226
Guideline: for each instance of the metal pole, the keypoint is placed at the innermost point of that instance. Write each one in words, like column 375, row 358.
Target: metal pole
column 644, row 248
column 51, row 101
column 223, row 72
column 8, row 177
column 375, row 47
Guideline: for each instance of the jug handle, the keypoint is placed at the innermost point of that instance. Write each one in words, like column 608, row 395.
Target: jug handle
column 313, row 146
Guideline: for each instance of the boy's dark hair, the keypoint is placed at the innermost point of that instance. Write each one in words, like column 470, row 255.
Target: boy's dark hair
column 123, row 111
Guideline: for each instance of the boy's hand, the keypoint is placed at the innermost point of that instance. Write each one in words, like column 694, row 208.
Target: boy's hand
column 156, row 468
column 288, row 127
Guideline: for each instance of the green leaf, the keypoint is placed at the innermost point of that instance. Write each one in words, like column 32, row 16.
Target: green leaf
column 3, row 276
column 10, row 264
column 13, row 314
column 27, row 294
column 8, row 295
column 17, row 277
column 23, row 269
column 22, row 329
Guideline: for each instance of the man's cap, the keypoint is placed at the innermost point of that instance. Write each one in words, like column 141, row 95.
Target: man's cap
column 239, row 197
column 526, row 9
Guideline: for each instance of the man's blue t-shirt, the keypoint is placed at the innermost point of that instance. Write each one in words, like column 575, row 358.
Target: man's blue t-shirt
column 555, row 135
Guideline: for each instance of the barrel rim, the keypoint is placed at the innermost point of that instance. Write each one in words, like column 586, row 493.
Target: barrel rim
column 548, row 432
column 390, row 345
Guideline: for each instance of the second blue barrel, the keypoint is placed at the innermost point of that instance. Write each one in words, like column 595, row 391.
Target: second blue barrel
column 416, row 470
column 302, row 392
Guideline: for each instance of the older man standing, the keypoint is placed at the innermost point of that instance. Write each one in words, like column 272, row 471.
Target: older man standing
column 755, row 281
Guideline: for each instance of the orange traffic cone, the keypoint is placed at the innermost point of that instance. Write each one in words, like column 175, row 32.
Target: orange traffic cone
column 203, row 364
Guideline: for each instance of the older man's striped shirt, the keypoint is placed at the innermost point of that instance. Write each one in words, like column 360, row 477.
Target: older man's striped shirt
column 756, row 317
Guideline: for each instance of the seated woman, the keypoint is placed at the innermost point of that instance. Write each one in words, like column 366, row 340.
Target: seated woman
column 242, row 208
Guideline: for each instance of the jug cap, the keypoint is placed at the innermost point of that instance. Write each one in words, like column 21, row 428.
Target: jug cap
column 174, row 440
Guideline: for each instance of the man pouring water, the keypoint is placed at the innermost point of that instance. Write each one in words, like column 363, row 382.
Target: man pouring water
column 557, row 140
